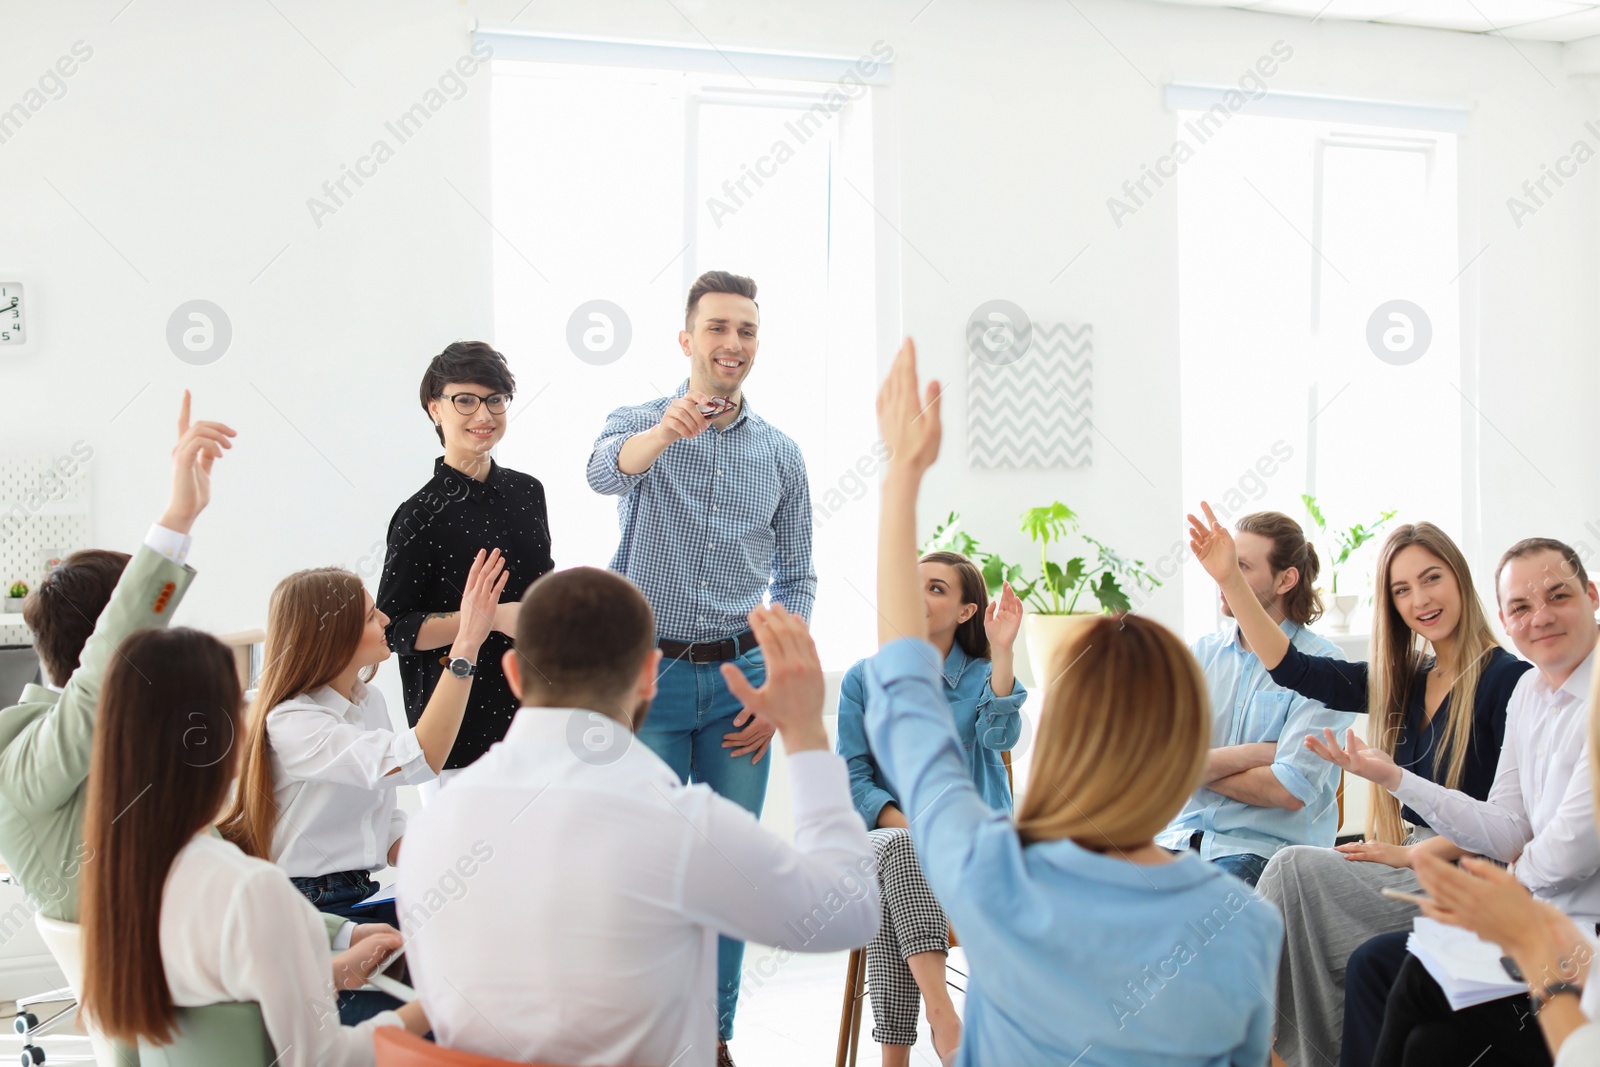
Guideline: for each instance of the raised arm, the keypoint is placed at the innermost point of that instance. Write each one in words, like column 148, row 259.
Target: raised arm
column 49, row 761
column 911, row 431
column 1213, row 546
column 909, row 722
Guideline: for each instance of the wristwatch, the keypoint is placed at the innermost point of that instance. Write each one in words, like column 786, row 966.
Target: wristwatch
column 1553, row 990
column 462, row 667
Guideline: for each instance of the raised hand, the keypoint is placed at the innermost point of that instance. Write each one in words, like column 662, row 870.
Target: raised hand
column 1003, row 618
column 198, row 447
column 1357, row 757
column 1213, row 545
column 790, row 700
column 909, row 423
column 480, row 600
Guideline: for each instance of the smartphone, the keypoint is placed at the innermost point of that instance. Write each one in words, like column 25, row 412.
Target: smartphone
column 395, row 988
column 1409, row 898
column 389, row 960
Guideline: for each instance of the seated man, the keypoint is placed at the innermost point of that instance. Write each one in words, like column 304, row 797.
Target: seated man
column 616, row 877
column 1539, row 818
column 1262, row 789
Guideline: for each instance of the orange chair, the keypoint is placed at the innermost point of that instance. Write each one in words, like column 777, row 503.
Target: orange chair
column 396, row 1047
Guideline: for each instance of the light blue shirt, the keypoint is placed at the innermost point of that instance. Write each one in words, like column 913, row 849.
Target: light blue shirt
column 987, row 725
column 1077, row 958
column 1247, row 706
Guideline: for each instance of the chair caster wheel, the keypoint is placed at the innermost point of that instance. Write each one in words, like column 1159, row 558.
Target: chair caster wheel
column 24, row 1022
column 32, row 1056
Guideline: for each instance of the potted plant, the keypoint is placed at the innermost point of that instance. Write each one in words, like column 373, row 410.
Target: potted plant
column 15, row 596
column 1056, row 595
column 1346, row 541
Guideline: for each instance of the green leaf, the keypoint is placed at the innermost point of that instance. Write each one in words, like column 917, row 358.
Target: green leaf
column 1311, row 509
column 1110, row 594
column 1043, row 525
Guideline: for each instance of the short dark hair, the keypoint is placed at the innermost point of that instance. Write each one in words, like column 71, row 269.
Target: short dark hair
column 1302, row 604
column 582, row 635
column 716, row 281
column 1530, row 546
column 465, row 361
column 63, row 610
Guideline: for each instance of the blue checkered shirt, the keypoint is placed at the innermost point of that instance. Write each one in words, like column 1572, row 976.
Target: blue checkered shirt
column 715, row 522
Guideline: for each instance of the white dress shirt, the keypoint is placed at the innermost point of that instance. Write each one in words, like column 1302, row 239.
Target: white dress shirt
column 1540, row 814
column 233, row 928
column 562, row 904
column 335, row 768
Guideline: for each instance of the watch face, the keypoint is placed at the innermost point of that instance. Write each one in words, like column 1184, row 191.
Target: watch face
column 11, row 313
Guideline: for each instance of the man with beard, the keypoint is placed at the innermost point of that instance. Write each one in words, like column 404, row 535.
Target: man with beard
column 1262, row 789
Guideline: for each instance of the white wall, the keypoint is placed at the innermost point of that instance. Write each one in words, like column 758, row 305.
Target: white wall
column 190, row 142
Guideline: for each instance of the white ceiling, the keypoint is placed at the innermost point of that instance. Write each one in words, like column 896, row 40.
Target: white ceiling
column 1535, row 20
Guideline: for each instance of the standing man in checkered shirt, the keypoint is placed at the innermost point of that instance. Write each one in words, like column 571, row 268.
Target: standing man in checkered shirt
column 716, row 513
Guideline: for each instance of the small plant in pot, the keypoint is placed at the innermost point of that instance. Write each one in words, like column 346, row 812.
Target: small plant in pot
column 15, row 596
column 1056, row 595
column 1346, row 543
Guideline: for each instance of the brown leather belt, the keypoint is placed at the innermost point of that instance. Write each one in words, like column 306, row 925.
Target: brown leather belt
column 709, row 651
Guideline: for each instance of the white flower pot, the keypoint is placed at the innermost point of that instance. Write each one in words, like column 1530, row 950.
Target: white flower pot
column 1045, row 634
column 1344, row 606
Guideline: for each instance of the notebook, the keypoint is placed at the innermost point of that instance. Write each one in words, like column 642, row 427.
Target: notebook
column 1466, row 967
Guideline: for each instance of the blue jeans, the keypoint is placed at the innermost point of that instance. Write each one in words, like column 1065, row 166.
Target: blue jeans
column 691, row 712
column 338, row 894
column 1245, row 866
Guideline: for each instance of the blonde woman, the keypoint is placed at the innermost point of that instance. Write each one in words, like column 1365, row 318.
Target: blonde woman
column 1436, row 691
column 1089, row 944
column 322, row 763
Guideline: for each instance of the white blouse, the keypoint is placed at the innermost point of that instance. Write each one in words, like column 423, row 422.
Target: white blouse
column 233, row 928
column 335, row 767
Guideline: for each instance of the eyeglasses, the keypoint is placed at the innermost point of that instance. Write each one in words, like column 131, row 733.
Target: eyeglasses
column 467, row 403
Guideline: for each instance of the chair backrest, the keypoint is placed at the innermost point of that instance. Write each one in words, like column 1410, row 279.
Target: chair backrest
column 398, row 1047
column 65, row 942
column 231, row 1034
column 19, row 665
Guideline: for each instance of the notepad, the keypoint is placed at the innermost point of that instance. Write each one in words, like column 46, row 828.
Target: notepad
column 1466, row 967
column 381, row 895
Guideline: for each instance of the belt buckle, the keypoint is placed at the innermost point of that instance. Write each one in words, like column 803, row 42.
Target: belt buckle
column 703, row 652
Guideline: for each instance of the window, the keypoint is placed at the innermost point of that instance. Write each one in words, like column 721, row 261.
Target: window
column 1302, row 370
column 622, row 184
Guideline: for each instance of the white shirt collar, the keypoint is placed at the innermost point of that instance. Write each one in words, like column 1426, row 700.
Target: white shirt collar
column 1576, row 687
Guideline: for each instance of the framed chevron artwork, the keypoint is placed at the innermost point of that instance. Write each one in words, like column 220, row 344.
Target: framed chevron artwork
column 1032, row 409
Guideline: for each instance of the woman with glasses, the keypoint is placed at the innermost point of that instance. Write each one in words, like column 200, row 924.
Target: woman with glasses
column 470, row 503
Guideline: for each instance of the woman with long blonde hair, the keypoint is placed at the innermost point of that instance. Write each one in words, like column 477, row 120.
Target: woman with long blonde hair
column 1436, row 692
column 322, row 761
column 1089, row 943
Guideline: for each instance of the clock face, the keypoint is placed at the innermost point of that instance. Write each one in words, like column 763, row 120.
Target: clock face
column 11, row 313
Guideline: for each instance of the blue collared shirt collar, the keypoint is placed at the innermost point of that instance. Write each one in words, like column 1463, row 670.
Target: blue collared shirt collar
column 955, row 664
column 1288, row 626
